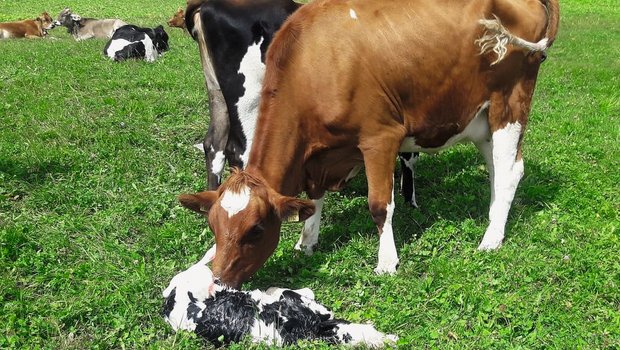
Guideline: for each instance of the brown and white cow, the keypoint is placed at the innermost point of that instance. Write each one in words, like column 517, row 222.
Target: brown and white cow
column 401, row 75
column 30, row 28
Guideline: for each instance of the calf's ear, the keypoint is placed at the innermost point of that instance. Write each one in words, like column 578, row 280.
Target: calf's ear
column 292, row 209
column 199, row 202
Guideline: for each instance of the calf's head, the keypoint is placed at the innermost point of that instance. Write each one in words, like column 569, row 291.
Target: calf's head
column 160, row 39
column 178, row 20
column 245, row 214
column 46, row 21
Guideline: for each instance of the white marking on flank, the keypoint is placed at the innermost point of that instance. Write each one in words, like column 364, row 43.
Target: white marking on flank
column 115, row 46
column 253, row 69
column 235, row 202
column 476, row 130
column 352, row 14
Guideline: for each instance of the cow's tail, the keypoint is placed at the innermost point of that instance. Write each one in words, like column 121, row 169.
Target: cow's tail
column 497, row 37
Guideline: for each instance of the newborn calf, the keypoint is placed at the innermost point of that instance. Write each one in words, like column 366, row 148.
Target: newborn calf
column 130, row 41
column 194, row 301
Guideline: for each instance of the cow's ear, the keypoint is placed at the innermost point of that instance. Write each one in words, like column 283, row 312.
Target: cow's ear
column 199, row 202
column 290, row 209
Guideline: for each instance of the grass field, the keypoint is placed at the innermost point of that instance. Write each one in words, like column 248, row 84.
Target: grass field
column 94, row 153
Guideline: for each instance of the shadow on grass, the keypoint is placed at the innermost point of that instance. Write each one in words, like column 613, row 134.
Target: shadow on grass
column 33, row 173
column 452, row 186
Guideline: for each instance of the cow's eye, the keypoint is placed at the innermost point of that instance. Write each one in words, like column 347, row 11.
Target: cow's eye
column 254, row 233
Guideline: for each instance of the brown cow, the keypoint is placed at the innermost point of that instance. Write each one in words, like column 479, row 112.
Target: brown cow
column 404, row 75
column 30, row 28
column 178, row 20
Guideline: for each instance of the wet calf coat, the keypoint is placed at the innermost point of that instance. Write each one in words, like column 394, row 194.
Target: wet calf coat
column 381, row 86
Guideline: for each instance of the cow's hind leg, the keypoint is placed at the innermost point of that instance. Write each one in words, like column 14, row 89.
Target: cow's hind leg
column 215, row 142
column 310, row 234
column 407, row 184
column 505, row 166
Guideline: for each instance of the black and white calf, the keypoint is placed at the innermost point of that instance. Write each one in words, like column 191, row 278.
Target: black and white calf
column 130, row 41
column 195, row 302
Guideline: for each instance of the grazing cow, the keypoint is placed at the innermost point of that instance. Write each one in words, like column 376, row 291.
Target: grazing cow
column 86, row 28
column 178, row 20
column 402, row 75
column 30, row 28
column 233, row 36
column 195, row 302
column 134, row 42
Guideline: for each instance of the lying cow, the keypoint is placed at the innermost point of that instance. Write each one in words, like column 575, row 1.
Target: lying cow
column 178, row 19
column 402, row 75
column 86, row 28
column 30, row 28
column 194, row 301
column 130, row 41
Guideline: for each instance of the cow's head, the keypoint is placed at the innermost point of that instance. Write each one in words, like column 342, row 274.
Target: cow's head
column 178, row 20
column 245, row 214
column 67, row 19
column 160, row 39
column 46, row 21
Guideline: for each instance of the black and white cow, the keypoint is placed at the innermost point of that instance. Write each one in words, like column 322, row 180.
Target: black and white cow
column 233, row 37
column 130, row 41
column 194, row 301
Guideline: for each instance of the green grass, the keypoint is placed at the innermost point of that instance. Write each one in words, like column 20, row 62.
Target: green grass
column 93, row 154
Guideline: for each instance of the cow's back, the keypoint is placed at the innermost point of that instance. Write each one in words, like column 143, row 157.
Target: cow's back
column 377, row 71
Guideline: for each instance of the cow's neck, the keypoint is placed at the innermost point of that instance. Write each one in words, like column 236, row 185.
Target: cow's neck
column 277, row 154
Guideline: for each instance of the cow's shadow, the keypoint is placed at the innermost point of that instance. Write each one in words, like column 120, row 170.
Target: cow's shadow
column 452, row 186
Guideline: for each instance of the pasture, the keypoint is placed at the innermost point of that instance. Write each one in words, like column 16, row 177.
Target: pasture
column 93, row 154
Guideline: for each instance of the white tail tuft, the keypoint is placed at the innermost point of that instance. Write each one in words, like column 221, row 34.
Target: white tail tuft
column 496, row 38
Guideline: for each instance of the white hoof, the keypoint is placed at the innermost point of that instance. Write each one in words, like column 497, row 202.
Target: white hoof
column 490, row 244
column 386, row 268
column 308, row 250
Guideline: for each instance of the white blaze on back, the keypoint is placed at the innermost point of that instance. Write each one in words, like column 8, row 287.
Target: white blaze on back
column 233, row 202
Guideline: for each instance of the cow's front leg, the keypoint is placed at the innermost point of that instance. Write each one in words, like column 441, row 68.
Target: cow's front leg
column 380, row 174
column 214, row 146
column 506, row 170
column 216, row 140
column 310, row 234
column 407, row 184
